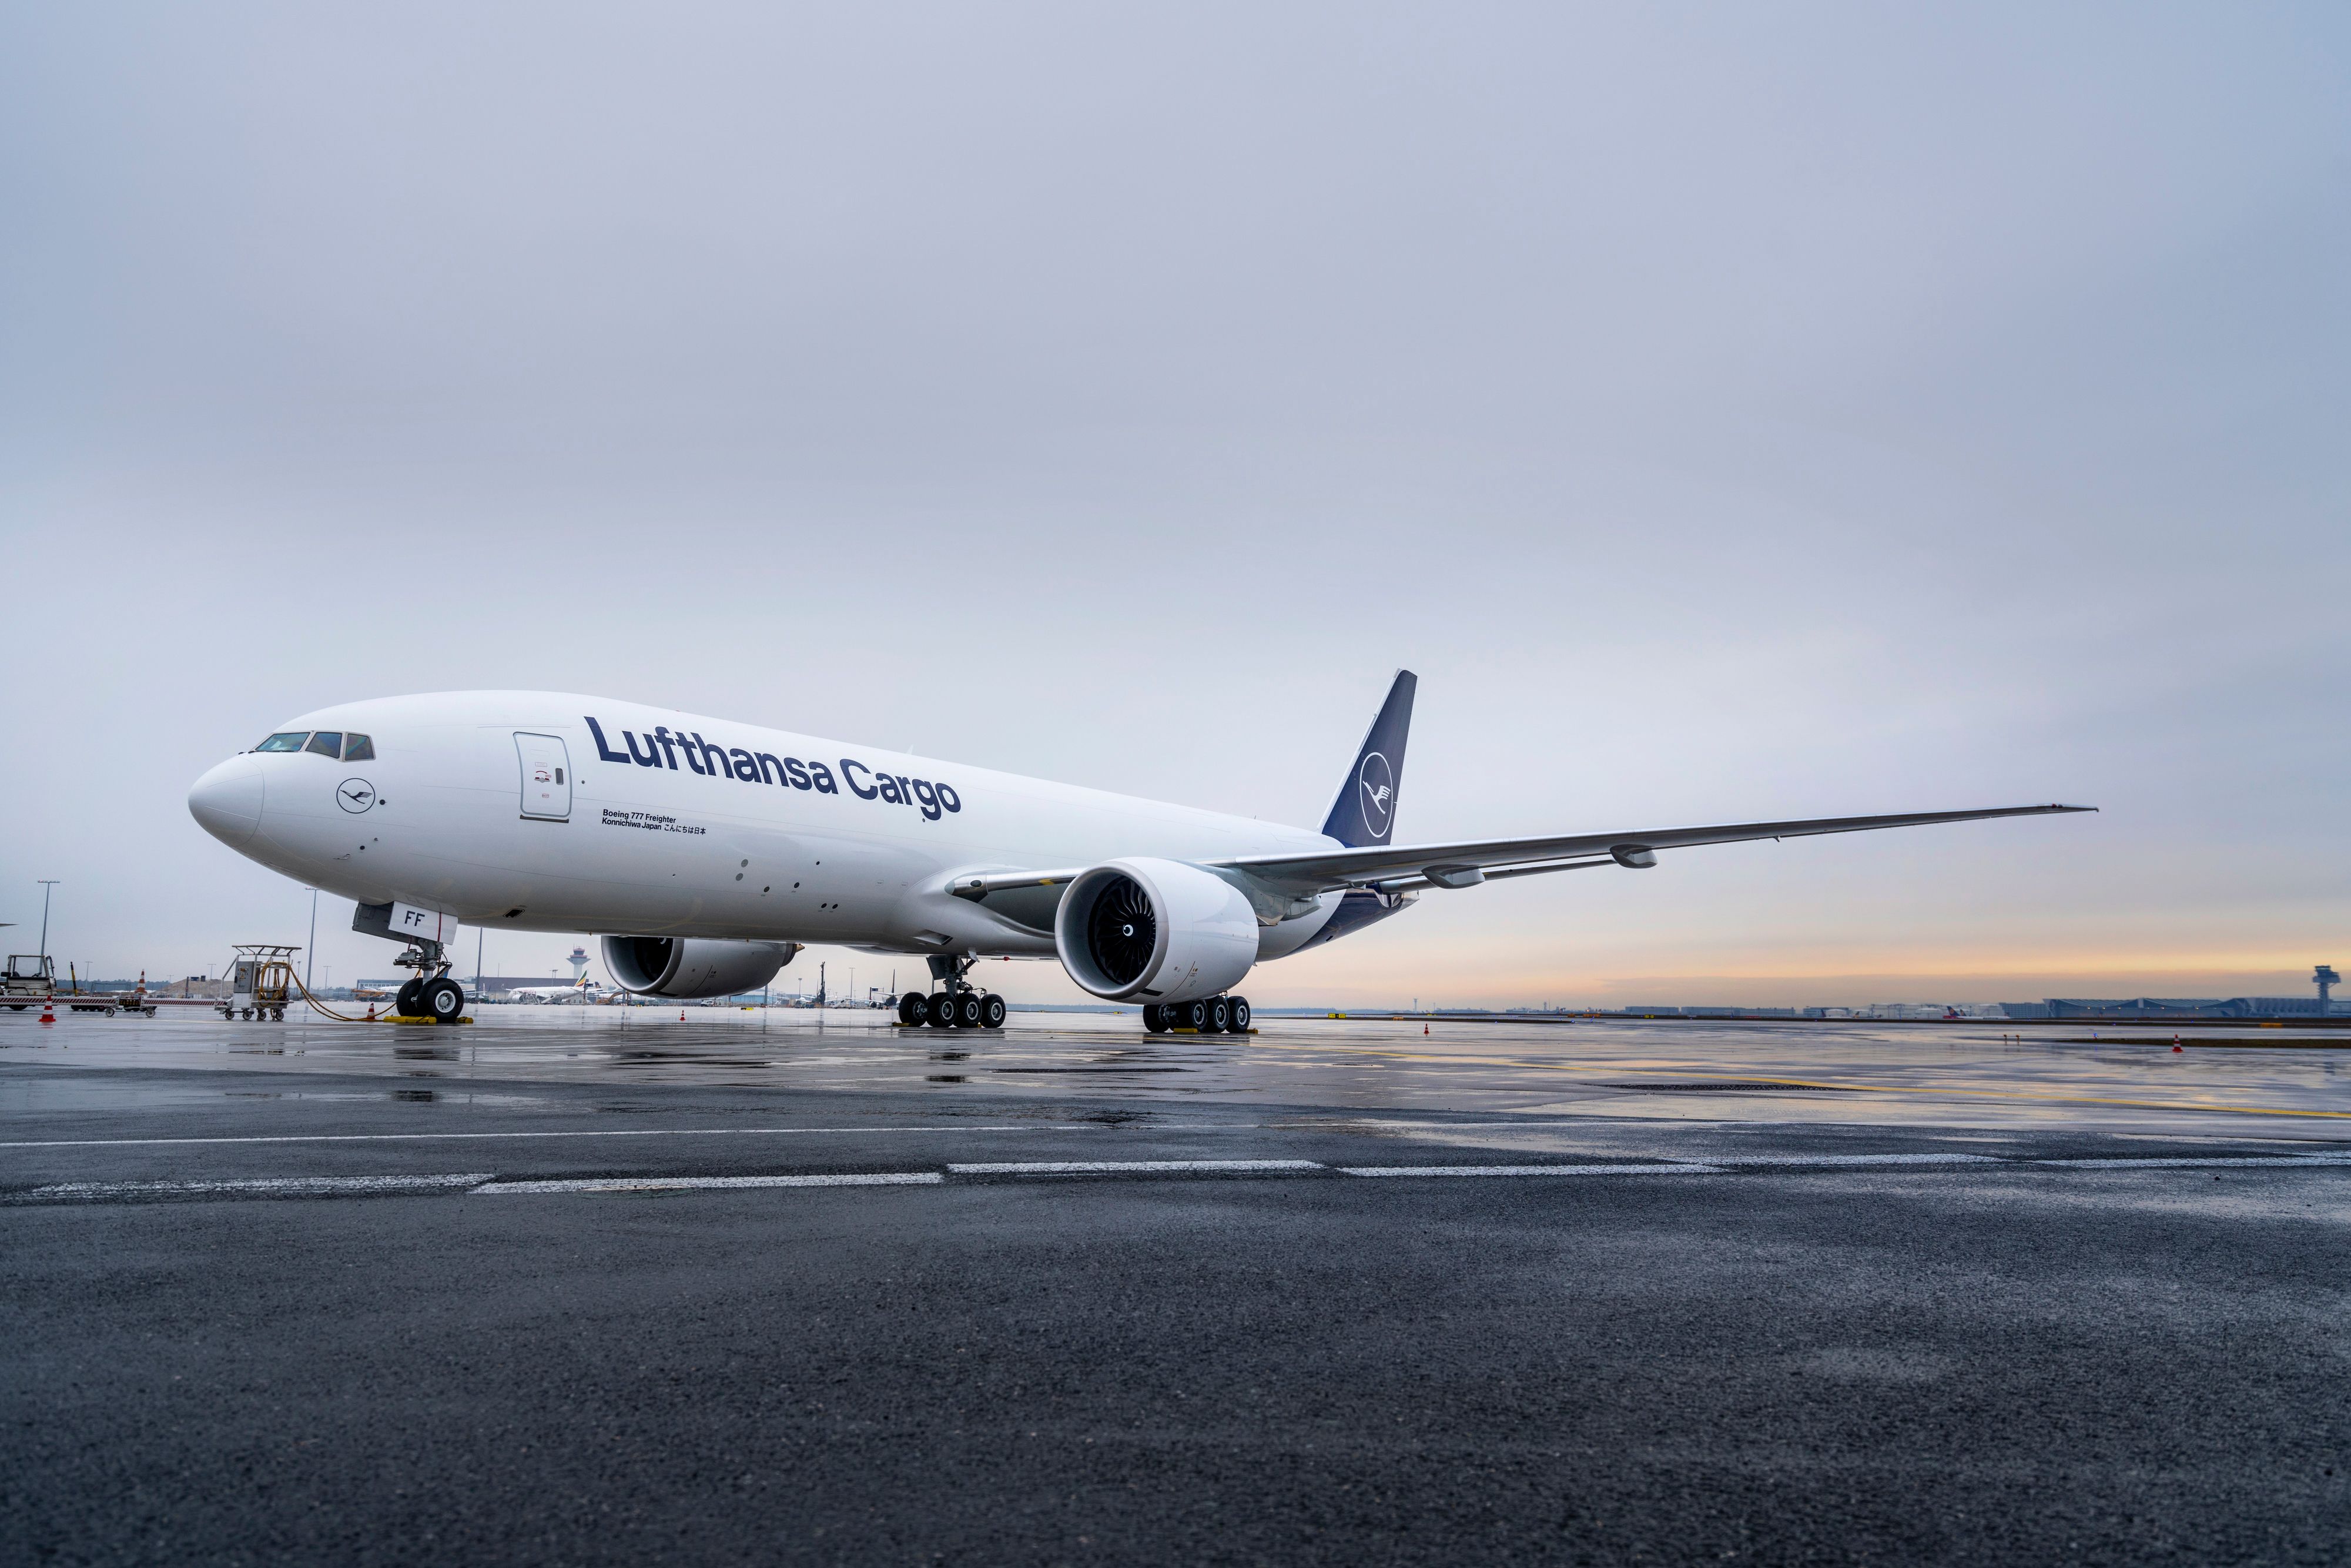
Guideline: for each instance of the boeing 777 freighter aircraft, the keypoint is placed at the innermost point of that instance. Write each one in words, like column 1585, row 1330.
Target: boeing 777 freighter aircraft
column 705, row 853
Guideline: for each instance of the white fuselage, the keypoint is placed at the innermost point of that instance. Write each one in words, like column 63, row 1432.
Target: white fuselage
column 510, row 809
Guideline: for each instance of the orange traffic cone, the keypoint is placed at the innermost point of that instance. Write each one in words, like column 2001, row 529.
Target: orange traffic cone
column 1423, row 1029
column 370, row 1017
column 48, row 1010
column 681, row 1015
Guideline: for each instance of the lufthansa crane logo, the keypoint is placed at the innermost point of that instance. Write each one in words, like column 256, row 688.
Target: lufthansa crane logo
column 1377, row 781
column 354, row 795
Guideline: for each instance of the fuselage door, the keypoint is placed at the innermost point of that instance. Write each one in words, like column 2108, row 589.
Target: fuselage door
column 546, row 776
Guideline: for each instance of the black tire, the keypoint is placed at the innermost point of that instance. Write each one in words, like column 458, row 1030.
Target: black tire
column 1220, row 1015
column 938, row 1009
column 911, row 1010
column 409, row 1000
column 445, row 1000
column 967, row 1009
column 992, row 1012
column 1239, row 1023
column 18, row 1007
column 1155, row 1017
column 1193, row 1016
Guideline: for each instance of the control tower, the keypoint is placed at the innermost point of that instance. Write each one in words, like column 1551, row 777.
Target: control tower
column 580, row 965
column 2327, row 979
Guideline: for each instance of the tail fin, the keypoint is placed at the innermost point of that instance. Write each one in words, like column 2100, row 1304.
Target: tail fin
column 1364, row 813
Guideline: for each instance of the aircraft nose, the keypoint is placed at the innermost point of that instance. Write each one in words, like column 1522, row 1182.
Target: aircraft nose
column 227, row 800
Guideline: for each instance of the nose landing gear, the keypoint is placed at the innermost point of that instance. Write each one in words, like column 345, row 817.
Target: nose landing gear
column 429, row 992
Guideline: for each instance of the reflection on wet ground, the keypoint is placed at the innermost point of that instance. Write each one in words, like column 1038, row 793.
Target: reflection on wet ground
column 2123, row 1081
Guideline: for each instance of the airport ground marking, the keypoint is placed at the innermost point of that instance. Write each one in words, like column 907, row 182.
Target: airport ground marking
column 490, row 1185
column 1840, row 1160
column 707, row 1183
column 1760, row 1078
column 2160, row 1162
column 582, row 1133
column 259, row 1187
column 1126, row 1168
column 1675, row 1168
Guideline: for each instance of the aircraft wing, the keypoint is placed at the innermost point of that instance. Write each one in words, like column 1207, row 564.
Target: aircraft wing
column 1404, row 867
column 1408, row 867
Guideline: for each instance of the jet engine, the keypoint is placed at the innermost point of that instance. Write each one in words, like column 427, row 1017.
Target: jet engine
column 683, row 968
column 1154, row 930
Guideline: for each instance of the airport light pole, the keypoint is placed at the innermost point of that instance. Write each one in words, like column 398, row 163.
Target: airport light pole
column 46, row 883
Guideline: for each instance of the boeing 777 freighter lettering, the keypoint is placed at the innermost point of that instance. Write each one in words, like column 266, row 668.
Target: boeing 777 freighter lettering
column 705, row 854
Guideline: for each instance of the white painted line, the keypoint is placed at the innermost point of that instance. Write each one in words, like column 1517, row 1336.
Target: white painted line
column 1121, row 1167
column 2183, row 1162
column 704, row 1183
column 598, row 1133
column 281, row 1187
column 1529, row 1170
column 1745, row 1160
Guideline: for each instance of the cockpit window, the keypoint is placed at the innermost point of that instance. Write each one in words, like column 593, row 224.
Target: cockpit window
column 358, row 749
column 290, row 741
column 326, row 743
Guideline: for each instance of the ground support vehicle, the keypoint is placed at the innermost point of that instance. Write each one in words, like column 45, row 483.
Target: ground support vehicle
column 31, row 976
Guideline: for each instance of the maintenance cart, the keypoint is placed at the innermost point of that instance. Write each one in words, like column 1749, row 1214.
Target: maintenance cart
column 263, row 983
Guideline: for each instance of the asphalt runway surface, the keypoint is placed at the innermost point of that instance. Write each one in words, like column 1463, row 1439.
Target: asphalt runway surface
column 599, row 1285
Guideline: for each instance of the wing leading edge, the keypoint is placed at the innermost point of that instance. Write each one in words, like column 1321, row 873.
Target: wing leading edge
column 1406, row 868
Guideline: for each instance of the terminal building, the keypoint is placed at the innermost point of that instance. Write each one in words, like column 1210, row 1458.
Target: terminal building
column 2320, row 1005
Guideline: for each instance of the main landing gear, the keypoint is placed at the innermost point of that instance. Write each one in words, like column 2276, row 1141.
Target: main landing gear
column 1211, row 1014
column 957, row 1007
column 952, row 1010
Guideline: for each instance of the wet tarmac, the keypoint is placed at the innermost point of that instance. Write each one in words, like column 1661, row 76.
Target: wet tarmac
column 2126, row 1079
column 587, row 1285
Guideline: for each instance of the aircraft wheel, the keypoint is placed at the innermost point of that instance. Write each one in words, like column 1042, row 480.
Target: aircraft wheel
column 445, row 1001
column 1193, row 1016
column 1239, row 1022
column 409, row 1002
column 938, row 1009
column 1155, row 1017
column 911, row 1009
column 992, row 1012
column 1220, row 1015
column 967, row 1009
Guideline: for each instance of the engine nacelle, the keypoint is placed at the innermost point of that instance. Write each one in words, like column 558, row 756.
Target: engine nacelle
column 683, row 968
column 1154, row 930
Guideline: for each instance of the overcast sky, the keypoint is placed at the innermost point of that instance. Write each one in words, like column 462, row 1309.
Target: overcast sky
column 1730, row 411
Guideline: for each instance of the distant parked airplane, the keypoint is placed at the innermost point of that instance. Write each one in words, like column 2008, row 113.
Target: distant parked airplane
column 582, row 991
